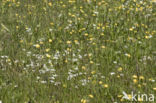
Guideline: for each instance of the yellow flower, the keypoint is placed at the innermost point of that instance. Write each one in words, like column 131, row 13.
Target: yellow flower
column 91, row 62
column 37, row 46
column 50, row 40
column 102, row 34
column 17, row 27
column 48, row 56
column 119, row 69
column 100, row 82
column 139, row 85
column 131, row 29
column 41, row 42
column 91, row 39
column 135, row 80
column 105, row 85
column 8, row 60
column 83, row 101
column 119, row 96
column 50, row 4
column 91, row 96
column 68, row 42
column 147, row 37
column 86, row 34
column 135, row 76
column 98, row 28
column 64, row 85
column 141, row 77
column 103, row 47
column 83, row 67
column 128, row 55
column 129, row 96
column 76, row 41
column 140, row 99
column 47, row 50
column 90, row 54
column 66, row 61
column 118, row 76
column 93, row 72
column 150, row 79
column 154, row 89
column 51, row 23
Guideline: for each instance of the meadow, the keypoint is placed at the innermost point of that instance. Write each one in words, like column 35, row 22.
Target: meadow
column 77, row 51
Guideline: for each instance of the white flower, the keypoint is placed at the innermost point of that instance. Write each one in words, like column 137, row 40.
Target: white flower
column 112, row 73
column 28, row 30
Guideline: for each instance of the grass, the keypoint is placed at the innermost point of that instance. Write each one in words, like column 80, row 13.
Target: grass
column 77, row 51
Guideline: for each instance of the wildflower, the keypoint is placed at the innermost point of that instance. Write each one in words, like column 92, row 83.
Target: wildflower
column 112, row 73
column 51, row 23
column 48, row 56
column 147, row 37
column 118, row 76
column 98, row 28
column 86, row 34
column 103, row 47
column 83, row 67
column 41, row 42
column 47, row 50
column 100, row 82
column 129, row 96
column 91, row 39
column 152, row 80
column 119, row 96
column 37, row 46
column 139, row 85
column 131, row 29
column 76, row 41
column 63, row 6
column 141, row 77
column 102, row 34
column 68, row 42
column 91, row 96
column 50, row 40
column 93, row 72
column 90, row 54
column 64, row 85
column 68, row 49
column 91, row 62
column 135, row 80
column 128, row 55
column 119, row 69
column 83, row 101
column 135, row 76
column 50, row 4
column 8, row 60
column 140, row 99
column 66, row 61
column 17, row 27
column 105, row 85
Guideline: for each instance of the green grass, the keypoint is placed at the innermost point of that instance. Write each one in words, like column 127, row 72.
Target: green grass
column 76, row 51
